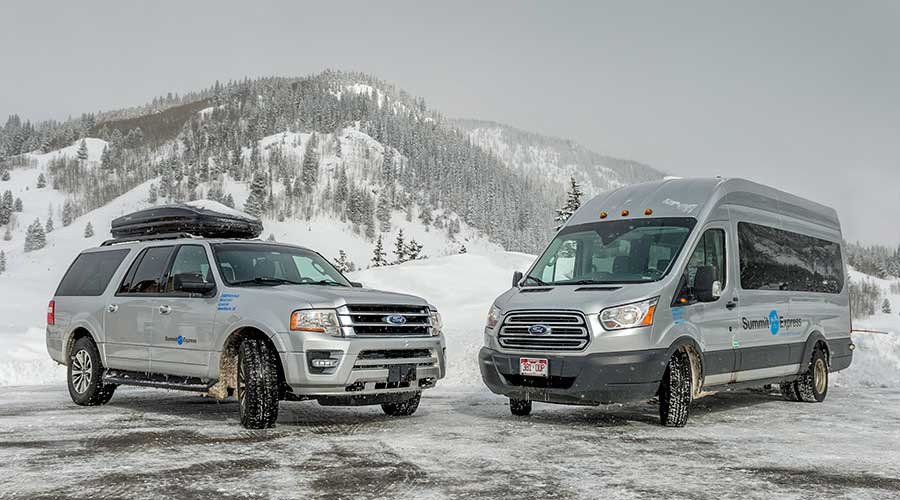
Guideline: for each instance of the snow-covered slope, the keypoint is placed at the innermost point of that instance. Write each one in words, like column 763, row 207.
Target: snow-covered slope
column 876, row 360
column 555, row 159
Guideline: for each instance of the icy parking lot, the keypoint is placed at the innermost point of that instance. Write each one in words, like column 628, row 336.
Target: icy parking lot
column 461, row 444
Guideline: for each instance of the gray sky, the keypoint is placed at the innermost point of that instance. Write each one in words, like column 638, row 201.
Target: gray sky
column 804, row 96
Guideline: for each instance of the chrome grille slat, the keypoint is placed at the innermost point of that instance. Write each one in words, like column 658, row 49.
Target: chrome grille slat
column 361, row 320
column 568, row 331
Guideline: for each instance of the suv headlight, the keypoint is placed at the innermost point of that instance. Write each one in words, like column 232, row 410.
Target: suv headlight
column 317, row 321
column 493, row 318
column 632, row 315
column 437, row 324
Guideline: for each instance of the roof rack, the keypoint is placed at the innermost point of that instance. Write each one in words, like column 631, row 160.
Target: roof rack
column 148, row 237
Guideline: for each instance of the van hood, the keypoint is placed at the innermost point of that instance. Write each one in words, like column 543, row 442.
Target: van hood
column 332, row 296
column 588, row 299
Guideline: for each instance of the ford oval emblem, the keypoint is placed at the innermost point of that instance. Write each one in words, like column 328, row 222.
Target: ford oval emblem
column 395, row 319
column 538, row 329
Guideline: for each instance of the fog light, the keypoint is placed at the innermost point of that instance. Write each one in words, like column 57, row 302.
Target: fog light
column 324, row 363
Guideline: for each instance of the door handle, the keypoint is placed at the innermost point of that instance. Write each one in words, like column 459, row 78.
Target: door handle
column 165, row 309
column 112, row 308
column 730, row 305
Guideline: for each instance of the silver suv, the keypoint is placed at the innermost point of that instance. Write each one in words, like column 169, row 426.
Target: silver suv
column 262, row 321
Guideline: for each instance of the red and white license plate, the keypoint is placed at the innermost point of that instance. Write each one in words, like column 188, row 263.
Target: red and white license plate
column 534, row 367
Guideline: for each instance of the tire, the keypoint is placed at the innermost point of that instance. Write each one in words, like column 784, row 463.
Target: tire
column 257, row 384
column 520, row 407
column 675, row 391
column 812, row 386
column 402, row 408
column 789, row 391
column 85, row 375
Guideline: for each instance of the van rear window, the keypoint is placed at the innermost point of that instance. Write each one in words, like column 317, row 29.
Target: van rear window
column 90, row 273
column 775, row 259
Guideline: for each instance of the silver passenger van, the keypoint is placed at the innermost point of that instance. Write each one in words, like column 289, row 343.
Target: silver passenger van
column 670, row 289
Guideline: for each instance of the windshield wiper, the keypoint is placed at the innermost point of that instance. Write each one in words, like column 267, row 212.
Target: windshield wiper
column 326, row 282
column 267, row 280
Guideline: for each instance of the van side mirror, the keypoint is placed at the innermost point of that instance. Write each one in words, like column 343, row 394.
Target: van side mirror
column 192, row 283
column 517, row 277
column 706, row 287
column 356, row 284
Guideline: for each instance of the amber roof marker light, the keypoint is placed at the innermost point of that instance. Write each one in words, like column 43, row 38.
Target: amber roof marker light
column 648, row 211
column 603, row 215
column 625, row 213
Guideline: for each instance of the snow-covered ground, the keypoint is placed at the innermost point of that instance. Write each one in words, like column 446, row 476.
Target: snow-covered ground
column 461, row 444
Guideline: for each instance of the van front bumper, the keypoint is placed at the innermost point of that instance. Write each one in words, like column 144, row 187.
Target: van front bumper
column 590, row 379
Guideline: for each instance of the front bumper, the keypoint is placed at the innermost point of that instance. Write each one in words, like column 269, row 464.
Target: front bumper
column 589, row 379
column 373, row 373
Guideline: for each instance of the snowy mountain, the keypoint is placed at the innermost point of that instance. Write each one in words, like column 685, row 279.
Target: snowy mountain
column 555, row 159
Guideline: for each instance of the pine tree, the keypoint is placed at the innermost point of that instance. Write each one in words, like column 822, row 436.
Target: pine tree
column 400, row 248
column 18, row 205
column 88, row 230
column 425, row 216
column 309, row 173
column 573, row 203
column 48, row 227
column 68, row 213
column 152, row 196
column 2, row 262
column 256, row 202
column 387, row 165
column 41, row 181
column 886, row 306
column 228, row 201
column 35, row 239
column 106, row 159
column 378, row 255
column 383, row 213
column 462, row 249
column 82, row 154
column 414, row 250
column 343, row 263
column 7, row 235
column 4, row 175
column 337, row 145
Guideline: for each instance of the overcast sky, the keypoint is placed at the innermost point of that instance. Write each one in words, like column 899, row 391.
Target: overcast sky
column 804, row 96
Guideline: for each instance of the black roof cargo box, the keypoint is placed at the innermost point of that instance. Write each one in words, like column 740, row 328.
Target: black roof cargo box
column 205, row 218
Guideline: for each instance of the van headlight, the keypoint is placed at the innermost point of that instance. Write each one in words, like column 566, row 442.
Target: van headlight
column 437, row 325
column 493, row 318
column 317, row 321
column 634, row 315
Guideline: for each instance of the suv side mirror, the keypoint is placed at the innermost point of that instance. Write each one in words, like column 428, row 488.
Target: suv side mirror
column 356, row 284
column 706, row 287
column 192, row 283
column 517, row 277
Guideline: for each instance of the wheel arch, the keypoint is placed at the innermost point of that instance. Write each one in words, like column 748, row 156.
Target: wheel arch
column 227, row 363
column 815, row 339
column 691, row 347
column 77, row 333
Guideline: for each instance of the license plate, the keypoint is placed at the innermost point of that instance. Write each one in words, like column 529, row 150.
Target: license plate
column 401, row 373
column 534, row 367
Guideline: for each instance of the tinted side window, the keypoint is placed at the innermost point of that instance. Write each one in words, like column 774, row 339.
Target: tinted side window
column 146, row 271
column 710, row 251
column 191, row 259
column 91, row 272
column 774, row 259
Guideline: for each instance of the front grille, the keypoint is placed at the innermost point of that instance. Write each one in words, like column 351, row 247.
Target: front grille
column 565, row 331
column 373, row 320
column 394, row 354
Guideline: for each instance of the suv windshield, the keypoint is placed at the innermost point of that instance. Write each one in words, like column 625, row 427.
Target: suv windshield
column 255, row 264
column 622, row 251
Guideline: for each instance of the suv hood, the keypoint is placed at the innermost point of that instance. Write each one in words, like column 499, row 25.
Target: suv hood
column 588, row 299
column 332, row 297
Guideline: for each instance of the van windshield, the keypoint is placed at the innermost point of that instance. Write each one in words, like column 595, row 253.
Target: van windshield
column 621, row 251
column 255, row 264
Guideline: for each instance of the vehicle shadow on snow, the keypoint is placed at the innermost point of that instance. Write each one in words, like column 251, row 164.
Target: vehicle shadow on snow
column 614, row 415
column 162, row 406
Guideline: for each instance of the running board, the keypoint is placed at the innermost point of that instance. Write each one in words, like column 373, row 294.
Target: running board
column 156, row 380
